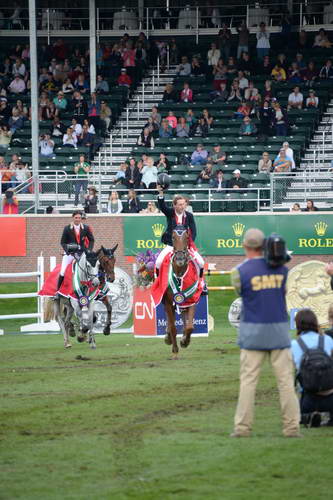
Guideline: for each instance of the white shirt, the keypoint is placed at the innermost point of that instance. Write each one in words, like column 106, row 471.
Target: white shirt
column 295, row 98
column 213, row 56
column 46, row 147
column 179, row 218
column 263, row 40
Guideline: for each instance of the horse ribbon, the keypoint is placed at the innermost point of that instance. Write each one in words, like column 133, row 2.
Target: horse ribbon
column 179, row 295
column 78, row 289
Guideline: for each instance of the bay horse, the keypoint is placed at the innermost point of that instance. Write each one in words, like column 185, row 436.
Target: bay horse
column 180, row 261
column 107, row 262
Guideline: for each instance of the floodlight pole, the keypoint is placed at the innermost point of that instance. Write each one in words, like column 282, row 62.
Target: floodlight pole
column 92, row 44
column 34, row 99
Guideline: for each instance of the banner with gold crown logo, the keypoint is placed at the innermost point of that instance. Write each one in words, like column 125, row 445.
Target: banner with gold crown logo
column 305, row 233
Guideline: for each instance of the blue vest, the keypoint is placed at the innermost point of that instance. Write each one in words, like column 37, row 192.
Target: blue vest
column 264, row 318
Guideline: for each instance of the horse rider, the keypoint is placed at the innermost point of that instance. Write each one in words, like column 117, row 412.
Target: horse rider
column 75, row 234
column 177, row 216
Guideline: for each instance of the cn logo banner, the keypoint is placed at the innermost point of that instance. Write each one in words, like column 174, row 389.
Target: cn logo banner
column 151, row 322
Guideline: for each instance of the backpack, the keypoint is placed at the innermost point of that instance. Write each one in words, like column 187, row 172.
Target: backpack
column 316, row 370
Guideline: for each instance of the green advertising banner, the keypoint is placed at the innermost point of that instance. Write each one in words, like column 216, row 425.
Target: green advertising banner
column 308, row 233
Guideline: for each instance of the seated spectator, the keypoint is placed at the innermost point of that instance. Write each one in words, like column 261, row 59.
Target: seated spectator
column 243, row 81
column 247, row 127
column 237, row 181
column 5, row 112
column 90, row 126
column 102, row 86
column 5, row 138
column 295, row 99
column 19, row 68
column 169, row 94
column 268, row 93
column 231, row 67
column 294, row 73
column 81, row 84
column 218, row 181
column 151, row 209
column 132, row 175
column 312, row 101
column 21, row 175
column 250, row 91
column 221, row 94
column 146, row 139
column 155, row 115
column 119, row 178
column 245, row 64
column 171, row 119
column 220, row 74
column 17, row 86
column 199, row 156
column 163, row 164
column 67, row 87
column 282, row 163
column 133, row 204
column 326, row 72
column 15, row 122
column 310, row 74
column 152, row 126
column 165, row 129
column 6, row 174
column 186, row 94
column 190, row 118
column 235, row 92
column 278, row 73
column 280, row 120
column 184, row 68
column 76, row 126
column 296, row 208
column 197, row 68
column 69, row 139
column 149, row 174
column 60, row 103
column 308, row 330
column 10, row 203
column 207, row 117
column 265, row 163
column 115, row 205
column 310, row 206
column 321, row 40
column 57, row 128
column 213, row 55
column 265, row 66
column 289, row 154
column 217, row 156
column 182, row 129
column 206, row 174
column 21, row 109
column 91, row 201
column 46, row 145
column 199, row 129
column 243, row 110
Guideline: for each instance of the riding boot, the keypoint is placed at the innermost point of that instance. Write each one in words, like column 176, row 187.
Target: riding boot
column 205, row 289
column 60, row 280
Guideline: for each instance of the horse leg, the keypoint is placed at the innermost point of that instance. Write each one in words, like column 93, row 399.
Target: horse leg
column 61, row 322
column 172, row 331
column 91, row 325
column 107, row 328
column 188, row 318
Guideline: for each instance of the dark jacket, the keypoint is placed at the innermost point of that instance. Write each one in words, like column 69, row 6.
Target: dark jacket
column 133, row 206
column 240, row 182
column 189, row 222
column 68, row 236
column 136, row 175
column 90, row 205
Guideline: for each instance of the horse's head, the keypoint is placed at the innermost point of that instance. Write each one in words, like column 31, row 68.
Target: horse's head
column 107, row 261
column 89, row 265
column 180, row 238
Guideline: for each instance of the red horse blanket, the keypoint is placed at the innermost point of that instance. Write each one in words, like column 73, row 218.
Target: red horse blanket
column 189, row 279
column 50, row 286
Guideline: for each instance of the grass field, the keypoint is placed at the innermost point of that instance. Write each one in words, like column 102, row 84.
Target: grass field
column 126, row 422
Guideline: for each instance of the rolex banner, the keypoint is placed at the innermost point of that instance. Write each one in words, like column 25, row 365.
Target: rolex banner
column 306, row 233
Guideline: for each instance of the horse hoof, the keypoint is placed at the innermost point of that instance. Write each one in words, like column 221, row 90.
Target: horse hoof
column 106, row 331
column 167, row 339
column 185, row 341
column 175, row 357
column 68, row 345
column 81, row 338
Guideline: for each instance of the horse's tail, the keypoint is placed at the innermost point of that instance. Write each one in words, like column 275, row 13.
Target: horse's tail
column 49, row 313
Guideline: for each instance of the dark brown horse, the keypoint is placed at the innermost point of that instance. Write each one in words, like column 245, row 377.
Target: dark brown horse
column 107, row 262
column 180, row 261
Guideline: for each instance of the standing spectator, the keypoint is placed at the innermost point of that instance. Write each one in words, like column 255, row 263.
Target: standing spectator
column 115, row 205
column 105, row 115
column 186, row 94
column 184, row 68
column 146, row 139
column 280, row 120
column 94, row 110
column 199, row 156
column 312, row 101
column 79, row 107
column 132, row 175
column 309, row 335
column 213, row 56
column 91, row 201
column 133, row 206
column 282, row 163
column 237, row 181
column 263, row 333
column 224, row 41
column 265, row 163
column 10, row 203
column 295, row 99
column 46, row 145
column 81, row 171
column 149, row 174
column 247, row 127
column 243, row 39
column 263, row 44
column 310, row 206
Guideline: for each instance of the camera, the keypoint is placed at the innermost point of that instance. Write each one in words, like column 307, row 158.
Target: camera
column 275, row 251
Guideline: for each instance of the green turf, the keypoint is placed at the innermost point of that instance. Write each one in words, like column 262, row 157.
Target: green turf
column 126, row 422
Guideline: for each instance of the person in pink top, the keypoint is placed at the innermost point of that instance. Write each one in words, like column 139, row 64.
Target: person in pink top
column 171, row 119
column 186, row 94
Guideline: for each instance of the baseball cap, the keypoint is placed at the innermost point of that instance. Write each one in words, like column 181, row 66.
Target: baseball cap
column 237, row 171
column 253, row 238
column 123, row 69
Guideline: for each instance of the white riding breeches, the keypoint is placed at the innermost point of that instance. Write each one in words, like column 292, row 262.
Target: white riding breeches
column 169, row 249
column 66, row 259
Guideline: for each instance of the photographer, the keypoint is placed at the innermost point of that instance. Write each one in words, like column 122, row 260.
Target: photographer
column 46, row 145
column 264, row 329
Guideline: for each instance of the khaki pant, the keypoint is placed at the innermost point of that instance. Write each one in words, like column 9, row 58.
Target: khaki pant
column 250, row 366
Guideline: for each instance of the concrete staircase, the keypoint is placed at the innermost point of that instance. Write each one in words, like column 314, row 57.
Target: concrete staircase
column 124, row 135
